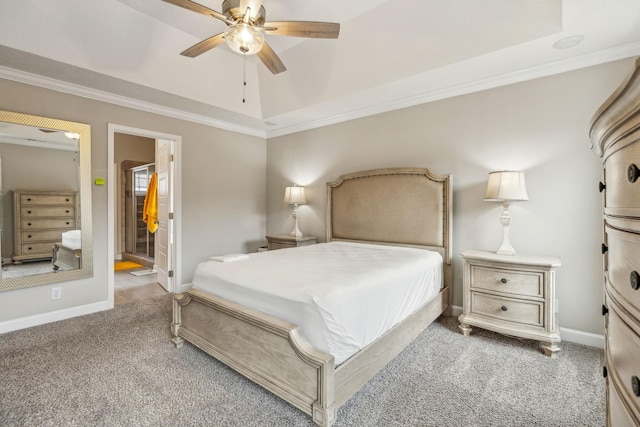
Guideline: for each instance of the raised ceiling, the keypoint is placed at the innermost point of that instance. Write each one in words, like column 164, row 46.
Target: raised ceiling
column 390, row 54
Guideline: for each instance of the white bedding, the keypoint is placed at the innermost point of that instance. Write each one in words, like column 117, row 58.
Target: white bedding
column 342, row 295
column 72, row 239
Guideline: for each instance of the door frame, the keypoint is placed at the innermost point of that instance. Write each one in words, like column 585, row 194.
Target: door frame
column 176, row 262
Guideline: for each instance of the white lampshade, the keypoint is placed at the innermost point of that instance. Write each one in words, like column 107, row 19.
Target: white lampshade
column 244, row 39
column 506, row 185
column 295, row 195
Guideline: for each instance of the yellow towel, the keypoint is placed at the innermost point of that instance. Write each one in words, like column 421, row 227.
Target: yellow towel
column 150, row 211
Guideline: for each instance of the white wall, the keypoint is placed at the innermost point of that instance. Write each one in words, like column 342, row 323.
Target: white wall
column 540, row 127
column 223, row 194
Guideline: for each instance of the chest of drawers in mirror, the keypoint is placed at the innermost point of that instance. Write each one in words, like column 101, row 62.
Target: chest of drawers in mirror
column 615, row 136
column 40, row 218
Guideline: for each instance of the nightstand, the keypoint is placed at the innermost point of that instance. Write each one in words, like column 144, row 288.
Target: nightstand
column 511, row 294
column 281, row 241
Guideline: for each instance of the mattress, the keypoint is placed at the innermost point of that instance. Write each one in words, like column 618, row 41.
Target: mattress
column 72, row 239
column 342, row 295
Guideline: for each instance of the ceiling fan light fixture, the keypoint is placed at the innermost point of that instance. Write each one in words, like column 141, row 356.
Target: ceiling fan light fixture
column 244, row 39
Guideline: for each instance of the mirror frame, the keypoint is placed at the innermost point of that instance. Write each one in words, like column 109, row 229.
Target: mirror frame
column 84, row 180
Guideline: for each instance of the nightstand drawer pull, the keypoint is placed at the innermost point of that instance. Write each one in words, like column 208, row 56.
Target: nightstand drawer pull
column 503, row 308
column 634, row 280
column 503, row 280
column 605, row 310
column 635, row 385
column 601, row 186
column 605, row 248
column 604, row 371
column 633, row 173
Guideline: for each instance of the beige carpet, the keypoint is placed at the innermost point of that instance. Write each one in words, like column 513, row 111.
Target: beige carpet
column 119, row 368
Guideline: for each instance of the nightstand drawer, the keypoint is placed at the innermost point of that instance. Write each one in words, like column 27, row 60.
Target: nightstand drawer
column 508, row 309
column 623, row 347
column 507, row 281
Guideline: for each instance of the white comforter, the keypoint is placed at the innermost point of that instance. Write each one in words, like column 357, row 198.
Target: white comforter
column 342, row 295
column 72, row 239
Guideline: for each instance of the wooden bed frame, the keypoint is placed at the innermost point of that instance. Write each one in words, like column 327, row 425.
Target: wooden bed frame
column 403, row 206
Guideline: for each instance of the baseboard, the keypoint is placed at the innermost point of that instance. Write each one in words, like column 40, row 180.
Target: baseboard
column 568, row 335
column 54, row 316
column 580, row 337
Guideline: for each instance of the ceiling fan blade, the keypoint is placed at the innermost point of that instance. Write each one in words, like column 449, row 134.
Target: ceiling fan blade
column 198, row 8
column 320, row 30
column 271, row 60
column 204, row 46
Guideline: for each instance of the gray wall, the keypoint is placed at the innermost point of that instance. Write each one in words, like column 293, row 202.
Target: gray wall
column 223, row 191
column 540, row 127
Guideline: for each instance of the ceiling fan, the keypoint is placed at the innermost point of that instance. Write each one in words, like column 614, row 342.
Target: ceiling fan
column 246, row 24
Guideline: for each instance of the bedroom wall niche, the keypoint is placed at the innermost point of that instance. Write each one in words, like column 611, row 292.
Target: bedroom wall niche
column 45, row 201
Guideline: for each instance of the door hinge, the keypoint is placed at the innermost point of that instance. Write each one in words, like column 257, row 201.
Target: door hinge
column 171, row 157
column 170, row 273
column 170, row 215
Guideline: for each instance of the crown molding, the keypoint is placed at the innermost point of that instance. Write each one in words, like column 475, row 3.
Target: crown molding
column 582, row 61
column 571, row 64
column 123, row 101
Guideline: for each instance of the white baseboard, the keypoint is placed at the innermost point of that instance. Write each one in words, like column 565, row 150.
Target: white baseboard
column 54, row 316
column 568, row 335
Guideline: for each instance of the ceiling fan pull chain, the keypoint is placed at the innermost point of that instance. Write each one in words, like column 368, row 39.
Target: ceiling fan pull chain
column 244, row 76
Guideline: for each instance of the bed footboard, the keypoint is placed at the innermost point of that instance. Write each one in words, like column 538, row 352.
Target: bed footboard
column 269, row 351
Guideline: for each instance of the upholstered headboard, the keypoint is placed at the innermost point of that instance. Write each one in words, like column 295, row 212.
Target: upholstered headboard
column 402, row 206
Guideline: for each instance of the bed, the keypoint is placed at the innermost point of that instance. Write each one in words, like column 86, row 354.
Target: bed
column 403, row 211
column 67, row 253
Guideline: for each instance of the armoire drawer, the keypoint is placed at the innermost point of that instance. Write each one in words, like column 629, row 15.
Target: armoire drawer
column 47, row 199
column 623, row 347
column 42, row 224
column 47, row 211
column 617, row 413
column 41, row 236
column 623, row 271
column 38, row 248
column 520, row 283
column 622, row 179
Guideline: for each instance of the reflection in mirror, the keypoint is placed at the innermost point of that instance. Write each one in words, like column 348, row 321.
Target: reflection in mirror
column 45, row 201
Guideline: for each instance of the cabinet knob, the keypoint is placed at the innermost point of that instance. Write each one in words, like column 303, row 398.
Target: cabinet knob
column 503, row 280
column 28, row 212
column 605, row 248
column 601, row 186
column 604, row 371
column 634, row 280
column 633, row 173
column 503, row 308
column 605, row 310
column 635, row 385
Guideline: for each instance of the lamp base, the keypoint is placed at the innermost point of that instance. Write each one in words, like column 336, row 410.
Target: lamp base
column 296, row 231
column 505, row 219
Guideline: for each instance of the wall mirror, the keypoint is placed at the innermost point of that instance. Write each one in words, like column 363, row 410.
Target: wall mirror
column 45, row 201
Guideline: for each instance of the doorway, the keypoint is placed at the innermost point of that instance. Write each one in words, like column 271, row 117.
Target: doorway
column 136, row 155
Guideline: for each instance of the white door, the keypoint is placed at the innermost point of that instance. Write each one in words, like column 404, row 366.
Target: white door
column 164, row 234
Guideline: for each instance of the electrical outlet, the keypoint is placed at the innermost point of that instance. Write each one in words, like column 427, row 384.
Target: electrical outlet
column 56, row 293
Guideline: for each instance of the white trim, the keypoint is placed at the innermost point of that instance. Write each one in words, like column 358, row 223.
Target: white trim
column 177, row 207
column 568, row 335
column 591, row 59
column 53, row 316
column 124, row 101
column 580, row 337
column 544, row 70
